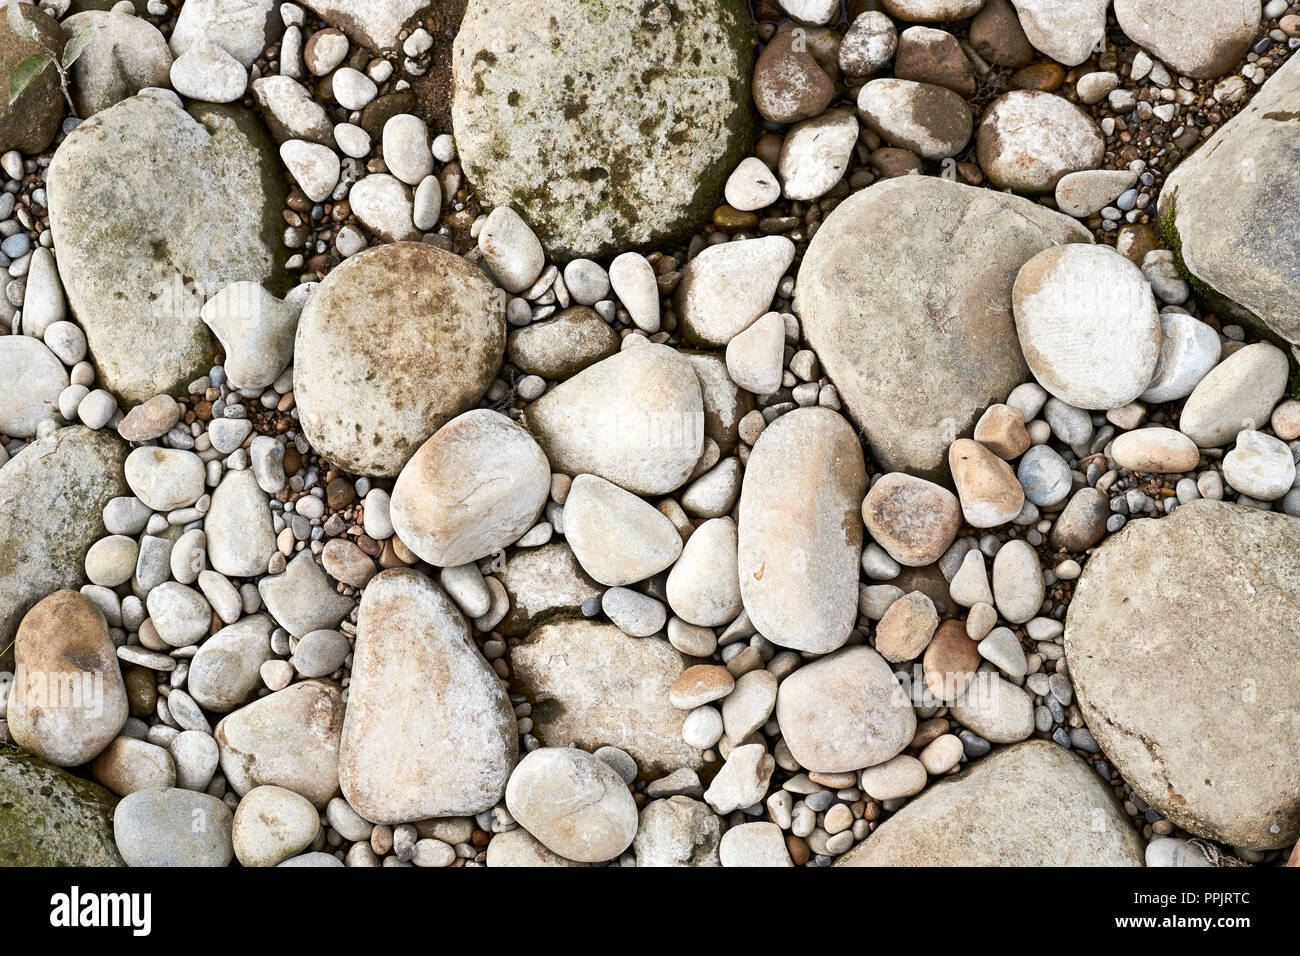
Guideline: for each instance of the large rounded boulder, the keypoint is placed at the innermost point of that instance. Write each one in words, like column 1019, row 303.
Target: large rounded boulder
column 1183, row 641
column 396, row 342
column 607, row 125
column 153, row 209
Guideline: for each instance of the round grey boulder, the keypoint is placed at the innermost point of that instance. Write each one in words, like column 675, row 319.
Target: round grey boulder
column 608, row 126
column 396, row 342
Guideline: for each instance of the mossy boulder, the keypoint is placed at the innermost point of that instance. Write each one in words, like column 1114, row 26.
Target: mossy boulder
column 1228, row 211
column 608, row 126
column 52, row 498
column 48, row 817
column 30, row 122
column 154, row 209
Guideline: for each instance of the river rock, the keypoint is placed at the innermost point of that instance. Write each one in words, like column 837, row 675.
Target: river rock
column 844, row 712
column 927, row 11
column 153, row 208
column 226, row 669
column 931, row 121
column 1088, row 325
column 573, row 803
column 241, row 537
column 173, row 828
column 702, row 587
column 302, row 599
column 1028, row 140
column 243, row 30
column 520, row 848
column 632, row 119
column 1035, row 804
column 53, row 496
column 592, row 685
column 50, row 818
column 1218, row 208
column 1238, row 393
column 1155, row 450
column 618, row 538
column 561, row 347
column 725, row 288
column 67, row 701
column 429, row 730
column 789, row 84
column 541, row 583
column 905, row 295
column 473, row 488
column 677, row 831
column 635, row 419
column 1198, row 38
column 376, row 24
column 913, row 519
column 393, row 344
column 1068, row 31
column 1188, row 622
column 800, row 530
column 287, row 739
column 33, row 377
column 1188, row 350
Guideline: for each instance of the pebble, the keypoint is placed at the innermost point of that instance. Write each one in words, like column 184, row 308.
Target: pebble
column 1260, row 465
column 801, row 498
column 1155, row 450
column 742, row 781
column 931, row 121
column 574, row 804
column 815, row 154
column 1239, row 393
column 151, row 419
column 353, row 90
column 618, row 538
column 477, row 485
column 703, row 587
column 1088, row 325
column 727, row 286
column 844, row 712
column 899, row 777
column 1018, row 587
column 868, row 44
column 634, row 613
column 1029, row 140
column 156, row 828
column 272, row 824
column 1189, row 349
column 755, row 357
column 34, row 378
column 406, row 149
column 907, row 627
column 988, row 489
column 206, row 72
column 633, row 280
column 511, row 249
column 314, row 167
column 1045, row 476
column 751, row 186
column 384, row 206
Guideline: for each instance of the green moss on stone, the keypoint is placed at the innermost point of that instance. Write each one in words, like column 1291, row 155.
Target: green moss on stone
column 48, row 817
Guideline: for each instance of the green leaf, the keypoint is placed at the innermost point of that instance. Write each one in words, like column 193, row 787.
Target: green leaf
column 76, row 46
column 19, row 24
column 27, row 71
